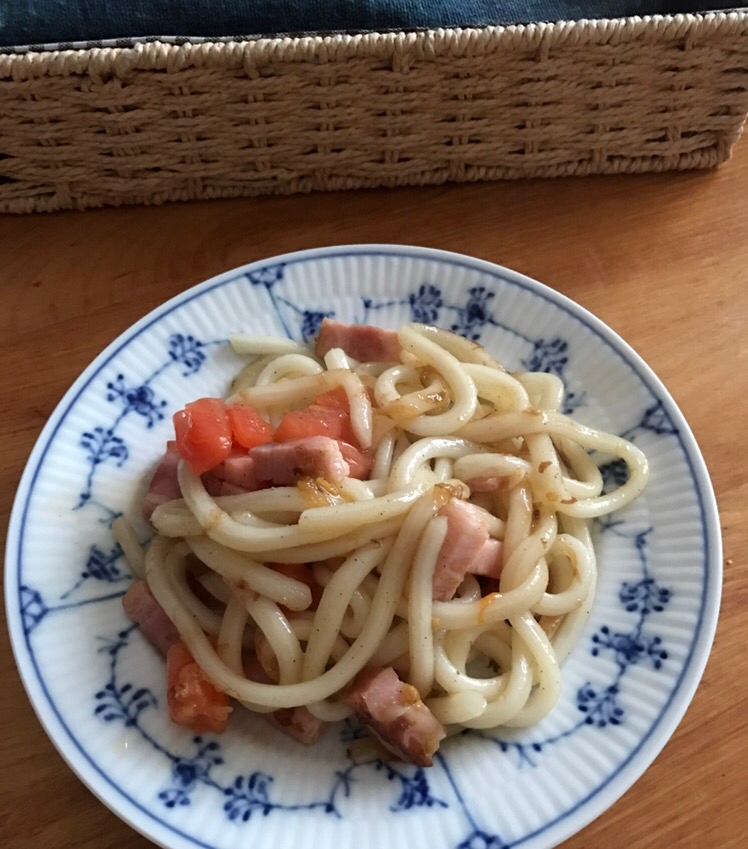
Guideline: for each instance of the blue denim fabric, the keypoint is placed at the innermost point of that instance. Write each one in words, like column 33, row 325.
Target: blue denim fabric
column 43, row 21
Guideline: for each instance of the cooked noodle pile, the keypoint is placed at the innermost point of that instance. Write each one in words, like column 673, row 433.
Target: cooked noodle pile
column 444, row 424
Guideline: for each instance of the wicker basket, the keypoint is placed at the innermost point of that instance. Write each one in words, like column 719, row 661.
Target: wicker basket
column 154, row 122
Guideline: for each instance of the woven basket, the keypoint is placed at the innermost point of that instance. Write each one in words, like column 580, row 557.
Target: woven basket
column 154, row 122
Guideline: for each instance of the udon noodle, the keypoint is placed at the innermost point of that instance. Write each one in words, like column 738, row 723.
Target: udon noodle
column 445, row 422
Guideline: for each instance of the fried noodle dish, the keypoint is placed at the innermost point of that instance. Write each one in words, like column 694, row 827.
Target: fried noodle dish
column 389, row 526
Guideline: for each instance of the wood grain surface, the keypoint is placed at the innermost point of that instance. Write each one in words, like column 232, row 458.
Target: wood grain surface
column 662, row 259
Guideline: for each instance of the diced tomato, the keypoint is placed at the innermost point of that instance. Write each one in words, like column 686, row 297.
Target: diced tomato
column 336, row 398
column 315, row 421
column 203, row 434
column 248, row 426
column 193, row 700
column 303, row 573
column 359, row 461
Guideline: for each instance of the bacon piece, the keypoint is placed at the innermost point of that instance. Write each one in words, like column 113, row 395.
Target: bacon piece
column 297, row 722
column 360, row 341
column 467, row 547
column 235, row 475
column 488, row 560
column 226, row 488
column 213, row 486
column 238, row 469
column 282, row 464
column 141, row 606
column 164, row 485
column 216, row 487
column 396, row 715
column 360, row 462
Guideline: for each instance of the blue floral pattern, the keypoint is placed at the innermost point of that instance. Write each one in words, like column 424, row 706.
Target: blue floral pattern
column 244, row 795
column 475, row 314
column 426, row 303
column 121, row 702
column 103, row 566
column 33, row 608
column 188, row 773
column 187, row 352
column 102, row 443
column 629, row 648
column 248, row 795
column 311, row 321
column 415, row 791
column 428, row 306
column 548, row 355
column 615, row 473
column 657, row 420
column 600, row 707
column 481, row 840
column 200, row 766
column 138, row 399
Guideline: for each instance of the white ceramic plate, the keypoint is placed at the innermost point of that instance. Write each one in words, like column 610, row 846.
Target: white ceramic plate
column 99, row 689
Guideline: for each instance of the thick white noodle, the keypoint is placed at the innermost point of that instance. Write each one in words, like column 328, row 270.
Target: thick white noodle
column 405, row 470
column 288, row 365
column 229, row 645
column 332, row 607
column 236, row 568
column 176, row 568
column 276, row 629
column 460, row 385
column 506, row 425
column 544, row 391
column 498, row 387
column 247, row 343
column 421, row 637
column 391, row 584
column 124, row 533
column 337, row 358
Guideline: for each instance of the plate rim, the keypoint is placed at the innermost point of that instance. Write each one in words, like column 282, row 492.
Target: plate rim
column 561, row 827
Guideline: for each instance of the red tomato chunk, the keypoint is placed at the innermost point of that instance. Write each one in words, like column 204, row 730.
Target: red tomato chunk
column 248, row 426
column 193, row 700
column 315, row 421
column 203, row 434
column 333, row 398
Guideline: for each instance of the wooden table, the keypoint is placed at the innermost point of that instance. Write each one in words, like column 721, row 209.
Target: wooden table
column 663, row 259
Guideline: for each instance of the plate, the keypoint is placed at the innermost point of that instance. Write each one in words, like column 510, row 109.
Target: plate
column 99, row 690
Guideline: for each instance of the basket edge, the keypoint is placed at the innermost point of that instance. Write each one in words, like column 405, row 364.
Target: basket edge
column 159, row 55
column 701, row 160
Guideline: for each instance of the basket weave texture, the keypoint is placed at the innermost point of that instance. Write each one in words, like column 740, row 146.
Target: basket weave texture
column 155, row 122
